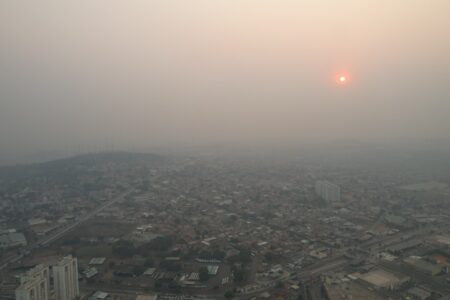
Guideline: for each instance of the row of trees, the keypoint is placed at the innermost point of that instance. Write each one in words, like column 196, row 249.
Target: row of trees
column 126, row 249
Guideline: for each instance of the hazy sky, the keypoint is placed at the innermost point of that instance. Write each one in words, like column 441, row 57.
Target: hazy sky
column 137, row 73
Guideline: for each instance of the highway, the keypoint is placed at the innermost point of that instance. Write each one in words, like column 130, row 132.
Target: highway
column 45, row 241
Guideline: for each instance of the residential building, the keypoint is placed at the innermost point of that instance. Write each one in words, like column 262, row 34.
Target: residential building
column 34, row 285
column 328, row 191
column 65, row 278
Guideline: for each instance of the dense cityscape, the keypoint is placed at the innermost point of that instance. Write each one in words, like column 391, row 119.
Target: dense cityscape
column 224, row 150
column 144, row 226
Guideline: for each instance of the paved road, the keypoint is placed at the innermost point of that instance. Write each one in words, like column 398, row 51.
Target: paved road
column 59, row 233
column 54, row 237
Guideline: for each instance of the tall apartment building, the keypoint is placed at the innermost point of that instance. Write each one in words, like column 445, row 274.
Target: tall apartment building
column 328, row 191
column 34, row 285
column 65, row 279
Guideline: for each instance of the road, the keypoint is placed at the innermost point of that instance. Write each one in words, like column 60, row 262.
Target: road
column 59, row 233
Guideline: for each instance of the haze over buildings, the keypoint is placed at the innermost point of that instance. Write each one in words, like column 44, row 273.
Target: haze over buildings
column 328, row 191
column 246, row 149
column 84, row 76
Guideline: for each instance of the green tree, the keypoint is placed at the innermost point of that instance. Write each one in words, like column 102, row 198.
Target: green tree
column 218, row 254
column 239, row 275
column 162, row 243
column 203, row 274
column 149, row 262
column 229, row 295
column 245, row 256
column 138, row 270
column 123, row 249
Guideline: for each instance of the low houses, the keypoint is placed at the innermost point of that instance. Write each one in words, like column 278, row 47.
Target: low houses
column 12, row 239
column 423, row 266
column 90, row 272
column 97, row 261
column 99, row 296
column 418, row 293
column 212, row 269
column 149, row 272
column 383, row 279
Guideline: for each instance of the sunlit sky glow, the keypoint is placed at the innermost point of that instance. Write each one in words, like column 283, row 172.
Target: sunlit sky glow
column 168, row 72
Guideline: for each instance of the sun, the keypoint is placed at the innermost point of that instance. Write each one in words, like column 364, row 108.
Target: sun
column 342, row 78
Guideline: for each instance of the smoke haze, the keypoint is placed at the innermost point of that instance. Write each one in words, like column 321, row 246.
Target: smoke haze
column 80, row 75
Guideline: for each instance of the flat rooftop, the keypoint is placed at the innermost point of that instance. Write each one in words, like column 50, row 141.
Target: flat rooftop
column 381, row 278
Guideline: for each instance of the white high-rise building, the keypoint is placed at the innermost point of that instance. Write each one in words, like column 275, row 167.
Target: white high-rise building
column 34, row 285
column 328, row 191
column 65, row 279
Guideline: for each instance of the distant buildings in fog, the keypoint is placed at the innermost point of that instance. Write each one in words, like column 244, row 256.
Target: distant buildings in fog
column 35, row 284
column 328, row 191
column 12, row 239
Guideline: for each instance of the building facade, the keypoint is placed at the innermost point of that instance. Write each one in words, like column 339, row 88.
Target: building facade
column 65, row 279
column 34, row 285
